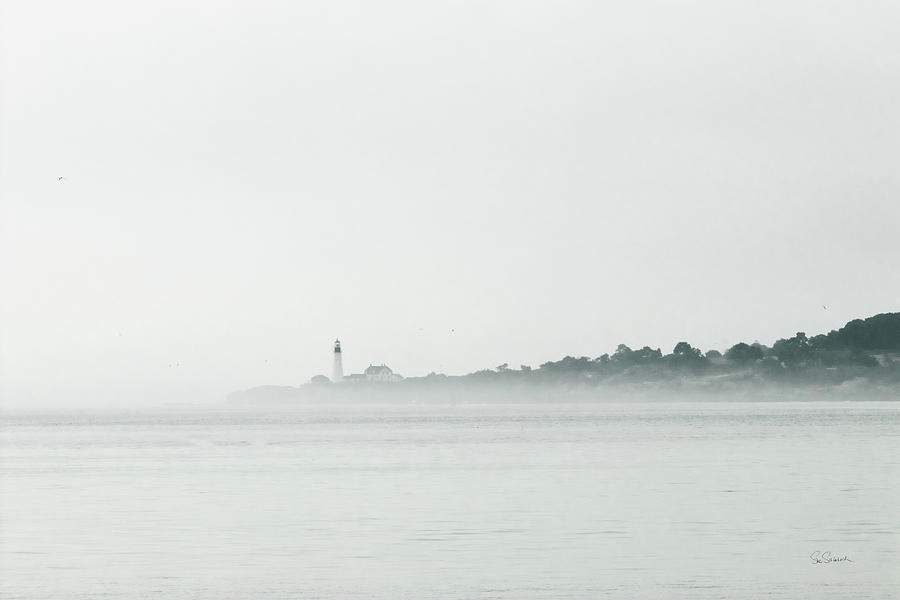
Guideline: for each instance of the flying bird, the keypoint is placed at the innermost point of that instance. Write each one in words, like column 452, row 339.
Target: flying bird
column 60, row 178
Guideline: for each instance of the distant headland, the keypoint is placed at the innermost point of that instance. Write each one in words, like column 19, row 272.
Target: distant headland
column 861, row 359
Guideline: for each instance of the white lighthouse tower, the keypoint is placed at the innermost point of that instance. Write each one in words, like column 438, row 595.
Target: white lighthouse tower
column 337, row 370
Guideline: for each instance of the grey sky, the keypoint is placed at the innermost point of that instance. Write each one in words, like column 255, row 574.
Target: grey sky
column 443, row 185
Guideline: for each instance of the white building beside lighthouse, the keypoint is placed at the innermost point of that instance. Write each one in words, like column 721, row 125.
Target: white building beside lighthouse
column 381, row 373
column 337, row 368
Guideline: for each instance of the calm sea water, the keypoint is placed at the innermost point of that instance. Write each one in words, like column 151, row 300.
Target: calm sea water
column 705, row 500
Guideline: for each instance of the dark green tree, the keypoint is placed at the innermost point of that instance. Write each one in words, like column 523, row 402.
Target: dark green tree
column 742, row 352
column 793, row 351
column 685, row 350
column 622, row 354
column 647, row 354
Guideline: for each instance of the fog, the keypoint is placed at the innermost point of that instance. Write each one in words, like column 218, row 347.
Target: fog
column 444, row 186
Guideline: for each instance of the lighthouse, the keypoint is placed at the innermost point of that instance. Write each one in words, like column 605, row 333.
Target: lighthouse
column 337, row 370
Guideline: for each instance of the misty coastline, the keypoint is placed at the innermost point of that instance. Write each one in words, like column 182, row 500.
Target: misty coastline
column 858, row 361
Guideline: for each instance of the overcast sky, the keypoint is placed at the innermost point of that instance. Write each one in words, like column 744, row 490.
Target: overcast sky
column 445, row 186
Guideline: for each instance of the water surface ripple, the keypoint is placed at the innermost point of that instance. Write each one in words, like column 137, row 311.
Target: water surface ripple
column 642, row 500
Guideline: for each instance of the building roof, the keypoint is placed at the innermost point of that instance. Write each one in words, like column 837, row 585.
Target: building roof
column 378, row 370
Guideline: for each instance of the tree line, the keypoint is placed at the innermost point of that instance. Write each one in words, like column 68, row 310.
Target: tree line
column 868, row 343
